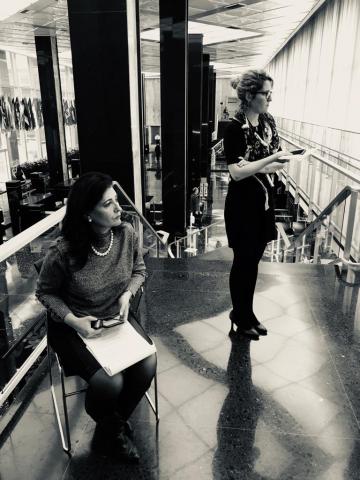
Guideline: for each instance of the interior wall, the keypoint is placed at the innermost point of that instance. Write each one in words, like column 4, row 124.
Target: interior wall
column 317, row 78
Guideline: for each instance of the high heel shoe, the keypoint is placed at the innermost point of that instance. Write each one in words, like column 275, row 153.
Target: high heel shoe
column 250, row 333
column 260, row 328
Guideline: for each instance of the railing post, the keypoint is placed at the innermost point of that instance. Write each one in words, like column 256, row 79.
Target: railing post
column 312, row 188
column 177, row 249
column 317, row 244
column 278, row 245
column 350, row 224
column 206, row 239
column 297, row 175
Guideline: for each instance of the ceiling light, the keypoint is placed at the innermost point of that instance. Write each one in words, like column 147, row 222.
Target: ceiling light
column 224, row 66
column 7, row 9
column 212, row 33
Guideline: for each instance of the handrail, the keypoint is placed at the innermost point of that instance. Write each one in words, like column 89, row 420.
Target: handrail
column 23, row 238
column 315, row 144
column 195, row 231
column 144, row 220
column 281, row 230
column 218, row 144
column 340, row 198
column 329, row 163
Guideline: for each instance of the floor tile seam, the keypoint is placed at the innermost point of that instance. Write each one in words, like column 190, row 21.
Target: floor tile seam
column 277, row 389
column 188, row 464
column 191, row 427
column 286, row 340
column 177, row 407
column 293, row 336
column 332, row 360
column 244, row 429
column 168, row 289
column 280, row 376
column 212, row 364
column 215, row 328
column 209, row 349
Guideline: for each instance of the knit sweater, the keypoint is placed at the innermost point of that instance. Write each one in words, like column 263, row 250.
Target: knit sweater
column 95, row 288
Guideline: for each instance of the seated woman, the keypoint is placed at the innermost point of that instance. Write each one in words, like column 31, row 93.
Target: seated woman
column 90, row 274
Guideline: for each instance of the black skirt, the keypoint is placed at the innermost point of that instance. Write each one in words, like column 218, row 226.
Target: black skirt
column 74, row 356
column 246, row 219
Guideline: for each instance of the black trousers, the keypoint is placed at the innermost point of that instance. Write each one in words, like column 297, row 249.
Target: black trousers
column 243, row 276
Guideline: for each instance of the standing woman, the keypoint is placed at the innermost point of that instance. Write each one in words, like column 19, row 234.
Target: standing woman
column 251, row 146
column 90, row 274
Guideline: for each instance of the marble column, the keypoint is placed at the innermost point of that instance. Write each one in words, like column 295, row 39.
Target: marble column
column 174, row 116
column 205, row 155
column 105, row 53
column 195, row 108
column 51, row 101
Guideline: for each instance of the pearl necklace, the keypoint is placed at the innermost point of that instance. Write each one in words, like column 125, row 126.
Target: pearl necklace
column 103, row 254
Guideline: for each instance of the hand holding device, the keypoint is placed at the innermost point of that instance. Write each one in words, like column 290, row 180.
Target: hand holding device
column 299, row 151
column 112, row 322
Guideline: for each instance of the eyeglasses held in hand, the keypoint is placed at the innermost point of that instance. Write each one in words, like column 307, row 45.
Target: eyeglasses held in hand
column 96, row 325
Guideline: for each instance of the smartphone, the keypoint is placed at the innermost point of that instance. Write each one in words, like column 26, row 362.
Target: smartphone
column 300, row 151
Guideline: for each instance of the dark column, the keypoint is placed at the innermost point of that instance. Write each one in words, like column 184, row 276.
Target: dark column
column 194, row 109
column 51, row 101
column 174, row 130
column 100, row 55
column 212, row 89
column 205, row 118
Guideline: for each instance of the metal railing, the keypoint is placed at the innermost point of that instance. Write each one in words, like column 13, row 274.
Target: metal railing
column 329, row 238
column 148, row 236
column 196, row 241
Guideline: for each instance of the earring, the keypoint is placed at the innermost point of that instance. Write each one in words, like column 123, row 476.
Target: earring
column 89, row 219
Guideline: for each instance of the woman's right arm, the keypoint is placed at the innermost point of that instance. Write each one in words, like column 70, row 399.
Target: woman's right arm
column 51, row 282
column 235, row 152
column 243, row 169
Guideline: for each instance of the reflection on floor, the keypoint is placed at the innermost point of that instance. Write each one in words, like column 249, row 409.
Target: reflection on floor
column 286, row 407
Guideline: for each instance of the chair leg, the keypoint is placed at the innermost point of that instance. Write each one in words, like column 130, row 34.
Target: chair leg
column 66, row 445
column 156, row 398
column 155, row 408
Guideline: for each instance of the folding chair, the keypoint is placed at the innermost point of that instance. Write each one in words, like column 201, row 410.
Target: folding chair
column 65, row 436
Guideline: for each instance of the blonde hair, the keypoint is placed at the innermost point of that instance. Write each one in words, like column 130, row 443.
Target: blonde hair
column 251, row 82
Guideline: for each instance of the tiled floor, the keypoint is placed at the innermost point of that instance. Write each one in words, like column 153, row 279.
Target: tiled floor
column 286, row 407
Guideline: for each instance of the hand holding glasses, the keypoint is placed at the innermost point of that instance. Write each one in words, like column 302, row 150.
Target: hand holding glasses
column 112, row 322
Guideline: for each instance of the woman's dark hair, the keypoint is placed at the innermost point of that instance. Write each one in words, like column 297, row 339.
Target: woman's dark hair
column 251, row 82
column 86, row 192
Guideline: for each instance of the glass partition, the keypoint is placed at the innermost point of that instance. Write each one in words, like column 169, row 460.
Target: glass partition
column 22, row 317
column 199, row 241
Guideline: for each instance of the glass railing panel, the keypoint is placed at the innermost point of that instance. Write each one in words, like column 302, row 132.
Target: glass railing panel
column 199, row 241
column 22, row 317
column 325, row 243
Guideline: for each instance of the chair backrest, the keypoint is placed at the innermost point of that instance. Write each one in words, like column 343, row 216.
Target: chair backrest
column 38, row 264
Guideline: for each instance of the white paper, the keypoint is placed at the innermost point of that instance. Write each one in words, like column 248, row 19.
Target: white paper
column 119, row 347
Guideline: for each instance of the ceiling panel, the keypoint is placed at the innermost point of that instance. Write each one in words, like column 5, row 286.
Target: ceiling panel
column 273, row 20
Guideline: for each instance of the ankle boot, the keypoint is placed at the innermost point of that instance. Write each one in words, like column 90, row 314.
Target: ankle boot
column 112, row 438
